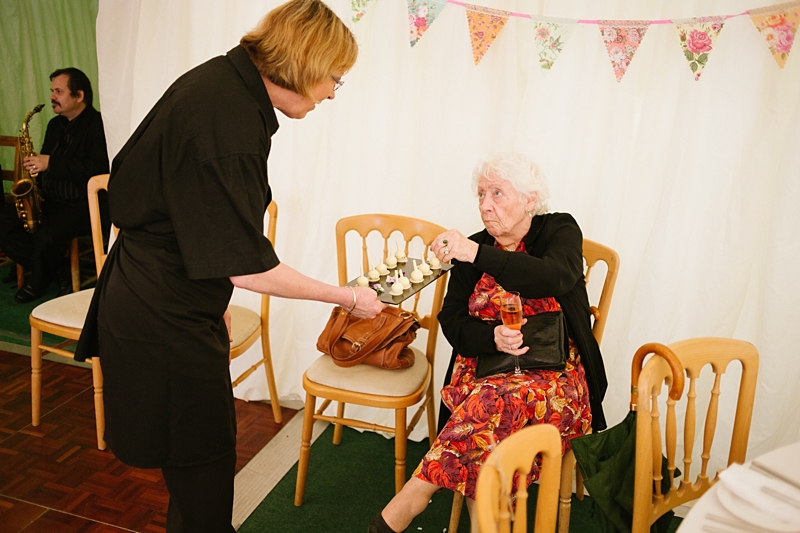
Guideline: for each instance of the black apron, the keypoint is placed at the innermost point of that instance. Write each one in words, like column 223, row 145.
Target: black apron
column 167, row 388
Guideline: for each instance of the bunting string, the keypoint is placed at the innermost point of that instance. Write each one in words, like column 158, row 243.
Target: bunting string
column 696, row 36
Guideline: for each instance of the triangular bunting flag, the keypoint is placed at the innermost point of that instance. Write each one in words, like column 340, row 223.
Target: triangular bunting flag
column 484, row 26
column 697, row 37
column 778, row 24
column 421, row 14
column 622, row 38
column 359, row 7
column 549, row 38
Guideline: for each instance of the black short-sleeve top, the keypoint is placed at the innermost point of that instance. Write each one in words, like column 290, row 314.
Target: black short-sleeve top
column 196, row 169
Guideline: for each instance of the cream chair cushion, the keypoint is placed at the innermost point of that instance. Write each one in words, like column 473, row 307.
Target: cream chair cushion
column 369, row 379
column 68, row 311
column 244, row 322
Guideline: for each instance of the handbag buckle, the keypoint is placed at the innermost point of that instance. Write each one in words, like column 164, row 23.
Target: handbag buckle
column 356, row 346
column 405, row 315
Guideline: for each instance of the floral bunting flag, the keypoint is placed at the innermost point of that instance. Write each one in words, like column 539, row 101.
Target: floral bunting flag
column 359, row 7
column 484, row 26
column 697, row 37
column 549, row 39
column 778, row 25
column 421, row 14
column 622, row 38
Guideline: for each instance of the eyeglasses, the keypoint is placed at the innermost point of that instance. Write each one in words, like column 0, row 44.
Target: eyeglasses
column 339, row 82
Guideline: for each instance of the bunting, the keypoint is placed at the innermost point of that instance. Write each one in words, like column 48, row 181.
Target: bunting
column 550, row 38
column 697, row 37
column 421, row 14
column 622, row 38
column 778, row 25
column 358, row 7
column 484, row 26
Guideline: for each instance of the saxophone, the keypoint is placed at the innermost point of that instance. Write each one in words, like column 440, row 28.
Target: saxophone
column 25, row 191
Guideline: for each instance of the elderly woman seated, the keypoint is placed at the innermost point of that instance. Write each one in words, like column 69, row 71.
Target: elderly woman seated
column 539, row 255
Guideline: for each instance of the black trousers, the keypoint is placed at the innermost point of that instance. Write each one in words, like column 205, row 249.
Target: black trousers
column 201, row 496
column 43, row 252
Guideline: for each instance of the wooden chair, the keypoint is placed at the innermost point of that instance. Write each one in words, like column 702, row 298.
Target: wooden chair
column 516, row 455
column 367, row 385
column 247, row 326
column 12, row 141
column 64, row 317
column 592, row 253
column 12, row 175
column 694, row 354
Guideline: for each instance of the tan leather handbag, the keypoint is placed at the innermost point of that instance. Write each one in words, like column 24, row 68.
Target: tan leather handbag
column 381, row 341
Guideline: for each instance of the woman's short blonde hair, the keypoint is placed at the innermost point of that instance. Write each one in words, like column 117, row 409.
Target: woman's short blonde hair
column 300, row 44
column 521, row 172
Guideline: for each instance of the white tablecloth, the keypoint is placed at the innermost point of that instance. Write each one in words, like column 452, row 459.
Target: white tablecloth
column 713, row 513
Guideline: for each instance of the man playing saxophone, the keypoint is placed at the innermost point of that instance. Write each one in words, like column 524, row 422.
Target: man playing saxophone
column 73, row 151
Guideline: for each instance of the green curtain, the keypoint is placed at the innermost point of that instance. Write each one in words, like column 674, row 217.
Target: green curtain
column 36, row 38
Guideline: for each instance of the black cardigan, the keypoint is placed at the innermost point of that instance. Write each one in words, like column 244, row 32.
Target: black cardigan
column 553, row 266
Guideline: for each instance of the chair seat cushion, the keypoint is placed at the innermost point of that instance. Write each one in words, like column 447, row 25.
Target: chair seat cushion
column 243, row 323
column 370, row 379
column 68, row 311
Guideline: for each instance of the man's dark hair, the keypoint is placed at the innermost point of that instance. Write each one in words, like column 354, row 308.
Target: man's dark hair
column 78, row 81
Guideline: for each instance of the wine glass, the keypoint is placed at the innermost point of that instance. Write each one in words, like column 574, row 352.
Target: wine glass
column 511, row 313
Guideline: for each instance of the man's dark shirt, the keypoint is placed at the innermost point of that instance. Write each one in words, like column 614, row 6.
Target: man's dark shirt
column 77, row 150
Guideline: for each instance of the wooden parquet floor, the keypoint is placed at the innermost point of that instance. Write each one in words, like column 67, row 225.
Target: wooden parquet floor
column 53, row 479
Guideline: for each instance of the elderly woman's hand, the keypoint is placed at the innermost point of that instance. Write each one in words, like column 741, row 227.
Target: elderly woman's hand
column 453, row 245
column 509, row 340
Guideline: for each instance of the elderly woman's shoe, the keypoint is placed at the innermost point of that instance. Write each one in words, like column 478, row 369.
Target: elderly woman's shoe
column 379, row 525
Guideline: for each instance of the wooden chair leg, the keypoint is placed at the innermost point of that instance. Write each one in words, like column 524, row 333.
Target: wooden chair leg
column 305, row 449
column 400, row 446
column 431, row 408
column 565, row 492
column 20, row 277
column 455, row 511
column 74, row 265
column 337, row 428
column 277, row 415
column 578, row 484
column 99, row 409
column 36, row 376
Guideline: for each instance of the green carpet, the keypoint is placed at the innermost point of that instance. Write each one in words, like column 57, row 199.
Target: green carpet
column 348, row 484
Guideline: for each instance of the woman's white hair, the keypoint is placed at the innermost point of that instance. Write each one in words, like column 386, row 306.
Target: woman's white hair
column 521, row 172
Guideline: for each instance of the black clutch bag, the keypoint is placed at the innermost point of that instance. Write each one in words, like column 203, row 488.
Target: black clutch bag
column 546, row 334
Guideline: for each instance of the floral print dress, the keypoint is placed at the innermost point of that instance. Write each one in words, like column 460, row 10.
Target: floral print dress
column 485, row 411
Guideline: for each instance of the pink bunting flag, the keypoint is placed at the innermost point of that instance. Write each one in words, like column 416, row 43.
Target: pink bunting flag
column 622, row 38
column 778, row 25
column 484, row 26
column 697, row 37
